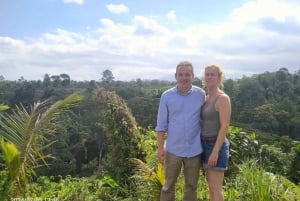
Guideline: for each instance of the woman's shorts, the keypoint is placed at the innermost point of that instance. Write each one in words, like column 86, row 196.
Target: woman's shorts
column 222, row 163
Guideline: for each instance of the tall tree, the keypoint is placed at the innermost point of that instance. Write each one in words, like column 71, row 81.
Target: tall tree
column 65, row 79
column 107, row 76
column 47, row 80
column 122, row 137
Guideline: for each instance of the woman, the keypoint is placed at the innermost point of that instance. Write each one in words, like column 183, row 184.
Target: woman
column 215, row 117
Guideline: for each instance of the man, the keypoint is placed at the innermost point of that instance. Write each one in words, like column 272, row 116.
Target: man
column 178, row 121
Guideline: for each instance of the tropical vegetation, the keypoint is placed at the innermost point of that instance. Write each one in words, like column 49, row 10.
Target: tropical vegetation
column 94, row 140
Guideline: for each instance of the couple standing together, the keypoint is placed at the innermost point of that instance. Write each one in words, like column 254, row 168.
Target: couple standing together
column 194, row 126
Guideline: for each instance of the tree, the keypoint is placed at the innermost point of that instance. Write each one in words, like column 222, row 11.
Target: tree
column 249, row 94
column 107, row 76
column 56, row 79
column 122, row 137
column 264, row 118
column 2, row 78
column 47, row 80
column 65, row 79
column 21, row 79
column 148, row 180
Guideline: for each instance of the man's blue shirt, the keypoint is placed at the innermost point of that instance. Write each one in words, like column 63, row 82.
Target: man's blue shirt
column 179, row 116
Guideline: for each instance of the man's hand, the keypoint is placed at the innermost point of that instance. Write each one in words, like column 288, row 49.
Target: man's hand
column 161, row 155
column 160, row 146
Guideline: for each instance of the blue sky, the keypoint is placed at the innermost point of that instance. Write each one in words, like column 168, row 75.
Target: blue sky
column 146, row 39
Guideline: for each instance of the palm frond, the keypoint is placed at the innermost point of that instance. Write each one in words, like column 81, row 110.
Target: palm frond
column 29, row 132
column 147, row 180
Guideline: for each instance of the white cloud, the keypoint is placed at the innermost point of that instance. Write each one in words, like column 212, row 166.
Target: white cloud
column 117, row 8
column 171, row 15
column 80, row 2
column 148, row 26
column 144, row 48
column 253, row 11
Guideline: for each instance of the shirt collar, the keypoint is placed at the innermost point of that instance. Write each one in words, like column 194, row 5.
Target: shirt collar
column 183, row 94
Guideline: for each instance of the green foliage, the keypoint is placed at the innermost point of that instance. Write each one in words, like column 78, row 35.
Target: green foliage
column 279, row 88
column 12, row 158
column 75, row 189
column 26, row 136
column 107, row 76
column 294, row 168
column 149, row 145
column 274, row 160
column 250, row 93
column 122, row 138
column 7, row 186
column 252, row 96
column 280, row 158
column 144, row 105
column 266, row 106
column 79, row 140
column 243, row 146
column 250, row 181
column 253, row 183
column 147, row 181
column 264, row 118
column 3, row 107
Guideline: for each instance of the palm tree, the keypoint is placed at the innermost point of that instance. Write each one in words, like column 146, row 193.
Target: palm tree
column 148, row 181
column 25, row 135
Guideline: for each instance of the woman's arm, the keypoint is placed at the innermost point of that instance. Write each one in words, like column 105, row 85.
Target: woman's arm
column 223, row 106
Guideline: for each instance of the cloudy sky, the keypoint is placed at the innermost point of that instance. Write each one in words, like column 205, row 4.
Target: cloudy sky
column 146, row 38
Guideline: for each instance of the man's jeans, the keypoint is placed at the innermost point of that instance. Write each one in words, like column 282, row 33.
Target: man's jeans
column 191, row 168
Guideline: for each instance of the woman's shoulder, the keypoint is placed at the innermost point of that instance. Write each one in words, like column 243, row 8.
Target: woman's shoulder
column 223, row 102
column 223, row 97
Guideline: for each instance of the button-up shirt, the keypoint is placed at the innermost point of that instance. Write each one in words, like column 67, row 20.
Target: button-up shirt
column 179, row 116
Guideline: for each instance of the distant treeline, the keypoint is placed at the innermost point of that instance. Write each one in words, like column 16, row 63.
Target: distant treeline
column 267, row 102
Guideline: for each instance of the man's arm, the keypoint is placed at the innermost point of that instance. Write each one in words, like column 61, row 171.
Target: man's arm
column 160, row 146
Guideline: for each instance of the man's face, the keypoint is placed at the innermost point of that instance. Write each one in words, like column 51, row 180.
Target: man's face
column 184, row 77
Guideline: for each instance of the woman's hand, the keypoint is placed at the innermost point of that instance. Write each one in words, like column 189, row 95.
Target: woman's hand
column 213, row 159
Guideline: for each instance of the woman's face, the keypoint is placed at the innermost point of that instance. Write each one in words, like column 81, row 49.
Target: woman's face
column 211, row 77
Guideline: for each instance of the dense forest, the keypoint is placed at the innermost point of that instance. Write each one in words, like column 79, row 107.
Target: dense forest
column 94, row 140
